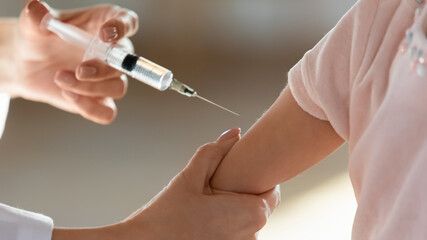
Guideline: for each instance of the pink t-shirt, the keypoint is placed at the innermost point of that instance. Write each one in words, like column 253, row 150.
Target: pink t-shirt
column 367, row 77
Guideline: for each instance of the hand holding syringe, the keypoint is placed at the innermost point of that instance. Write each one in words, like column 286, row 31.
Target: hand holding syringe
column 120, row 59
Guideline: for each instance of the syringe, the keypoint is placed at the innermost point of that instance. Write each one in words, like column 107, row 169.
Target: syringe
column 135, row 66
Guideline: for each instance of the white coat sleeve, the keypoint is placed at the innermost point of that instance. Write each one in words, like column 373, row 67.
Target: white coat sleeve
column 4, row 108
column 17, row 224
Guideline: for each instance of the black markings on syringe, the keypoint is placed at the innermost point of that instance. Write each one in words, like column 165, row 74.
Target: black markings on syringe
column 129, row 63
column 188, row 91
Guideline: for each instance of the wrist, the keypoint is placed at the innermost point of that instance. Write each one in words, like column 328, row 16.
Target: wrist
column 8, row 64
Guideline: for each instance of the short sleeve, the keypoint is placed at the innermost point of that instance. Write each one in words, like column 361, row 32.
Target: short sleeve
column 17, row 224
column 320, row 82
column 4, row 108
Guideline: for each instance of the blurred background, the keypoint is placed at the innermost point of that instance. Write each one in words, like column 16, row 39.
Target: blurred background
column 235, row 52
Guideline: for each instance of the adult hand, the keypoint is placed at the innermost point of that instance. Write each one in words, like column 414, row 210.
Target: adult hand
column 51, row 70
column 189, row 209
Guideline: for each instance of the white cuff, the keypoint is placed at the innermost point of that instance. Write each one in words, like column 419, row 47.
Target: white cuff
column 4, row 108
column 17, row 224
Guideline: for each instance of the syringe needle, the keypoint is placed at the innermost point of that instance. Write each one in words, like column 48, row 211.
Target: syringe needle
column 189, row 92
column 206, row 100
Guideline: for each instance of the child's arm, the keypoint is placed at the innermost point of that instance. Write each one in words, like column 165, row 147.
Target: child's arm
column 290, row 137
column 283, row 143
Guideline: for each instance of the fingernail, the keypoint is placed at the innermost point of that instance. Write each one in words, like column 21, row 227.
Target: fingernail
column 87, row 72
column 70, row 95
column 33, row 5
column 229, row 134
column 110, row 33
column 66, row 79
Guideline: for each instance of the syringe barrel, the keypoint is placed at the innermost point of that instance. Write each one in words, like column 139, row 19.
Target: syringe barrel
column 69, row 33
column 139, row 68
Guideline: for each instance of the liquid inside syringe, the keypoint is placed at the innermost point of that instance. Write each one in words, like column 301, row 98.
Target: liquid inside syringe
column 135, row 66
column 152, row 74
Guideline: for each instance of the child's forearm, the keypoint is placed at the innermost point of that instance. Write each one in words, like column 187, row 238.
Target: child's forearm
column 283, row 143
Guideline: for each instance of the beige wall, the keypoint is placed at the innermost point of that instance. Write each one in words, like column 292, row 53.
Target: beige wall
column 235, row 52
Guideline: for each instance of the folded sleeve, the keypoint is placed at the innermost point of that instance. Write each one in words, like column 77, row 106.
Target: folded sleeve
column 4, row 108
column 17, row 224
column 320, row 82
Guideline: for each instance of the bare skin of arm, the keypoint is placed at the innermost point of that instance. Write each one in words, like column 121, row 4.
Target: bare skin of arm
column 282, row 144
